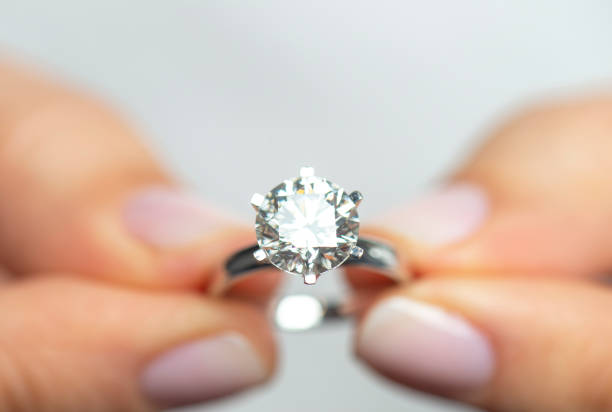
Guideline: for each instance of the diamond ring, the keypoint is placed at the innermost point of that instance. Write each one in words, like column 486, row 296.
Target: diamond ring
column 307, row 226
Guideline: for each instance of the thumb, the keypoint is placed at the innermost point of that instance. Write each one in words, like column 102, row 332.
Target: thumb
column 535, row 198
column 138, row 352
column 504, row 344
column 87, row 197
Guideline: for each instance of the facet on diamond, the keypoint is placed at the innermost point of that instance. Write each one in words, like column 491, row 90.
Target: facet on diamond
column 307, row 225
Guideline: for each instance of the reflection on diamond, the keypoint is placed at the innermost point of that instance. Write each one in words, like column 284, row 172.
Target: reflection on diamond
column 307, row 221
column 307, row 225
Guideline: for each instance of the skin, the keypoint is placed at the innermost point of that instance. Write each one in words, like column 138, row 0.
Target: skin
column 71, row 255
column 531, row 278
column 64, row 252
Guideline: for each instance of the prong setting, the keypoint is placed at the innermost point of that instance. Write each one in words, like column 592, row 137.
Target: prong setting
column 357, row 252
column 260, row 255
column 310, row 278
column 256, row 201
column 356, row 197
column 307, row 171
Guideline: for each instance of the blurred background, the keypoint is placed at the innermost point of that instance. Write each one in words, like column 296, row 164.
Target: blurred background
column 384, row 97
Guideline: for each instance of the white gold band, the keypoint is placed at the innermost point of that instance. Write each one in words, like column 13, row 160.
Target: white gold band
column 303, row 312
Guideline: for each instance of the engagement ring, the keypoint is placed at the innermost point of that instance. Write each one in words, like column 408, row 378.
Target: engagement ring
column 307, row 226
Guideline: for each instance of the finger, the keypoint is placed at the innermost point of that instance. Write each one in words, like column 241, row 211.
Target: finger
column 71, row 345
column 86, row 196
column 505, row 344
column 5, row 276
column 536, row 198
column 259, row 288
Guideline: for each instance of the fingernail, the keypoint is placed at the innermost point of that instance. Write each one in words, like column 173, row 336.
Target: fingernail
column 425, row 346
column 202, row 370
column 443, row 216
column 167, row 217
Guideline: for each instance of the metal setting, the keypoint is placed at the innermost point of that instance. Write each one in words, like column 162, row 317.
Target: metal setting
column 306, row 171
column 256, row 201
column 374, row 254
column 357, row 252
column 260, row 255
column 308, row 226
column 309, row 311
column 356, row 197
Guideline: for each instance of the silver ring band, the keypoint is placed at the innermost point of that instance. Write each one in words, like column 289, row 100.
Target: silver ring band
column 376, row 255
column 313, row 311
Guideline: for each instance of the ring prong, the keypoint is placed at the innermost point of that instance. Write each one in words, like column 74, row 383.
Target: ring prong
column 310, row 278
column 306, row 171
column 259, row 255
column 256, row 201
column 356, row 197
column 357, row 252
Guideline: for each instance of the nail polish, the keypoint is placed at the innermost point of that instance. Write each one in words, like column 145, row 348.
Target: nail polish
column 202, row 370
column 424, row 345
column 166, row 217
column 441, row 217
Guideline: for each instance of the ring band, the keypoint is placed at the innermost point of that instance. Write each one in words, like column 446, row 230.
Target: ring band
column 303, row 312
column 376, row 255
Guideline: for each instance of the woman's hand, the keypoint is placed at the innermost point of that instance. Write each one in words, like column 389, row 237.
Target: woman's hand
column 507, row 312
column 105, row 261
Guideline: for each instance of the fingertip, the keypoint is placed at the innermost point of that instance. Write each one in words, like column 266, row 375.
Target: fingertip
column 519, row 343
column 236, row 352
column 444, row 216
column 424, row 346
column 203, row 369
column 167, row 217
column 160, row 348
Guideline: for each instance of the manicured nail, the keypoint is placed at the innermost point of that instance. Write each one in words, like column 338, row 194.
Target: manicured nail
column 443, row 216
column 202, row 370
column 424, row 345
column 167, row 217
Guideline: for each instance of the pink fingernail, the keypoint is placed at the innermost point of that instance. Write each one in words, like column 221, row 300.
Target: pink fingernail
column 443, row 216
column 201, row 370
column 167, row 217
column 424, row 345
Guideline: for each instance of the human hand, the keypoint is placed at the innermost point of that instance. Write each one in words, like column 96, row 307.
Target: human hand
column 507, row 312
column 107, row 302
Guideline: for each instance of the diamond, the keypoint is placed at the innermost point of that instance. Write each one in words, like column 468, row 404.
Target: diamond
column 307, row 225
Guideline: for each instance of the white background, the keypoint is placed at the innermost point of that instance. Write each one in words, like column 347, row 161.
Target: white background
column 381, row 96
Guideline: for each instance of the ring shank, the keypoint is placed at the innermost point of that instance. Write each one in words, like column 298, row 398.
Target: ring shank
column 378, row 256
